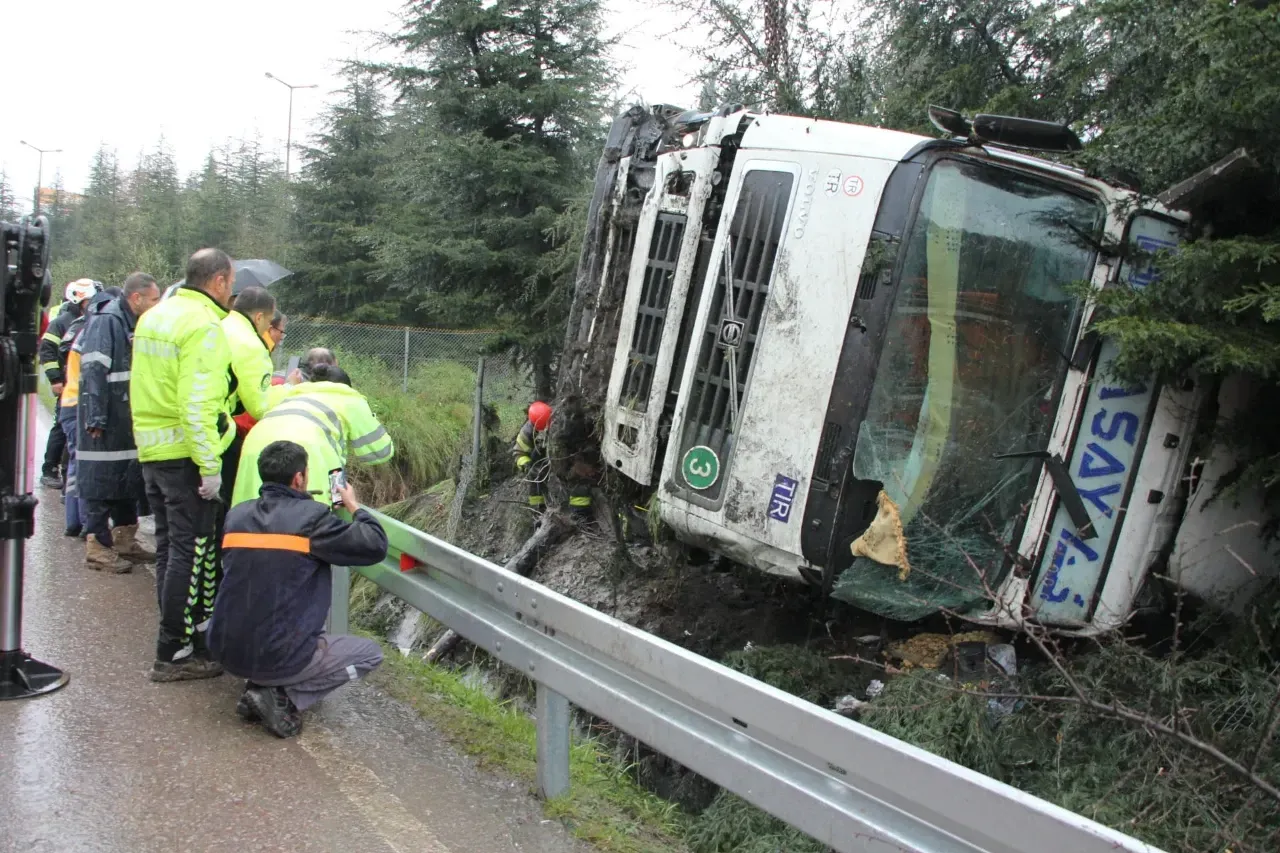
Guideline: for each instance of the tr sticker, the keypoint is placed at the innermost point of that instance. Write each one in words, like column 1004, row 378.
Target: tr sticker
column 832, row 184
column 853, row 186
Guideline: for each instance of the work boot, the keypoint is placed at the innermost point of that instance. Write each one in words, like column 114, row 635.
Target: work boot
column 277, row 712
column 244, row 708
column 51, row 481
column 191, row 667
column 585, row 519
column 125, row 540
column 73, row 532
column 100, row 558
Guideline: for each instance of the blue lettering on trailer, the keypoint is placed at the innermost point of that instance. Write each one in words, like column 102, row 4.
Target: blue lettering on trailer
column 784, row 495
column 1102, row 464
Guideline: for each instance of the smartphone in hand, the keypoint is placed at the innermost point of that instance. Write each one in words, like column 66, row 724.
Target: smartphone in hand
column 337, row 482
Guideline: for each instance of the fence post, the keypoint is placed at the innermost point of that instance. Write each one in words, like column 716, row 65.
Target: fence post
column 340, row 600
column 553, row 742
column 404, row 385
column 475, row 427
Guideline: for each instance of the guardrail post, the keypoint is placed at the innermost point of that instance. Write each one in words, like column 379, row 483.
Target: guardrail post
column 404, row 382
column 553, row 742
column 341, row 600
column 476, row 422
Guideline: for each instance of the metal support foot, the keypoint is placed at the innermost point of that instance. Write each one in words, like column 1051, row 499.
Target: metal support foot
column 22, row 676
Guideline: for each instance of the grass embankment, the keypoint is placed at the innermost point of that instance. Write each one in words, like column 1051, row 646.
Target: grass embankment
column 604, row 806
column 430, row 423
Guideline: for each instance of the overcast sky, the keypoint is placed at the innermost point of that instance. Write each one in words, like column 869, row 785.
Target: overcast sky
column 125, row 72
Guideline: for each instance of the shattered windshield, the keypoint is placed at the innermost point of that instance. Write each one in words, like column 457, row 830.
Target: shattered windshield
column 976, row 349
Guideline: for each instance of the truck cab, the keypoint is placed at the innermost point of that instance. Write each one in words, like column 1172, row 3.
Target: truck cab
column 831, row 330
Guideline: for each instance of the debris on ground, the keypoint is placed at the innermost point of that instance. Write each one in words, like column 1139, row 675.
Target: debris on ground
column 928, row 651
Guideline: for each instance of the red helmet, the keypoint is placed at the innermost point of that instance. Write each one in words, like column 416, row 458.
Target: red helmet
column 540, row 415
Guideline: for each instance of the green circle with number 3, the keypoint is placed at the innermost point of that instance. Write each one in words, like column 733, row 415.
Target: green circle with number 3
column 701, row 467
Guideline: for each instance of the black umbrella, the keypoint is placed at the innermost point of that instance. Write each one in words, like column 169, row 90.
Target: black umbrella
column 258, row 272
column 255, row 272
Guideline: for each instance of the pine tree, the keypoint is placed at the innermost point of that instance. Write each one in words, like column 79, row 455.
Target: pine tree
column 339, row 196
column 63, row 221
column 104, row 221
column 156, row 197
column 490, row 131
column 211, row 214
column 8, row 201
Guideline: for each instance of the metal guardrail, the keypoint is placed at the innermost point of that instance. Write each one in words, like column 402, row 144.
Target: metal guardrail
column 841, row 782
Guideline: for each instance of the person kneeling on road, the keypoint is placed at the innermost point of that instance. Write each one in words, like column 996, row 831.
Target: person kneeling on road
column 268, row 619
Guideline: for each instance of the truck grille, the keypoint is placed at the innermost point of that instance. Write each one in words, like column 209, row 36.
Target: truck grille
column 651, row 314
column 824, row 472
column 734, row 321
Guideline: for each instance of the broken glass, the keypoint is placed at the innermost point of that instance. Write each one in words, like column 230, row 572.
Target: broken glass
column 974, row 358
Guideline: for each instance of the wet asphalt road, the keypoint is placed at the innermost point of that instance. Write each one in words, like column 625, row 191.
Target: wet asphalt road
column 115, row 763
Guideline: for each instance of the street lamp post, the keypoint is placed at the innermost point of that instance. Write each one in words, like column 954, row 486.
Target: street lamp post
column 35, row 203
column 288, row 144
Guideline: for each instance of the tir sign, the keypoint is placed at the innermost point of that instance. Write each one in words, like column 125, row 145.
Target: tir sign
column 731, row 332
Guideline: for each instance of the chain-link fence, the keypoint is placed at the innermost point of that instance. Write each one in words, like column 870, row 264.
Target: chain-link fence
column 404, row 350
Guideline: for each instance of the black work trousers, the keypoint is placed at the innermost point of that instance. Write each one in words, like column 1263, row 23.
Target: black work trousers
column 187, row 571
column 120, row 513
column 57, row 445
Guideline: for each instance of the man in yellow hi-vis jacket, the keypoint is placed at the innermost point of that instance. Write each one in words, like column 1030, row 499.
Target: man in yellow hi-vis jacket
column 178, row 392
column 329, row 419
column 251, row 368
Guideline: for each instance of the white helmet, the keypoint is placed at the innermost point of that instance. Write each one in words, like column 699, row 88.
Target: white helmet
column 81, row 289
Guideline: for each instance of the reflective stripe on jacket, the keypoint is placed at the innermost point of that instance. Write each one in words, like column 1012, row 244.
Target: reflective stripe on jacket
column 330, row 420
column 250, row 366
column 50, row 363
column 529, row 446
column 108, row 462
column 180, row 382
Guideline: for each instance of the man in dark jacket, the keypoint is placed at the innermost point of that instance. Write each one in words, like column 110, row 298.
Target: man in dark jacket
column 268, row 619
column 108, row 476
column 77, row 513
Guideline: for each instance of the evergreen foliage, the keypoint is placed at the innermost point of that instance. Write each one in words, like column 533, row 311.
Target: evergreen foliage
column 8, row 200
column 340, row 198
column 498, row 113
column 149, row 219
column 1219, row 686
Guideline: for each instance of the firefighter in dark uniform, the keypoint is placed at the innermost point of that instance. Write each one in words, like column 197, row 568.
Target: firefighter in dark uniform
column 530, row 453
column 52, row 364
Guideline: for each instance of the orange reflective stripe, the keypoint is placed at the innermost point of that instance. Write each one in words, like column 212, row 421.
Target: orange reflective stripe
column 268, row 542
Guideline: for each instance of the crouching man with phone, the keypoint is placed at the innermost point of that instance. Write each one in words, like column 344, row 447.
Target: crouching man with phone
column 268, row 619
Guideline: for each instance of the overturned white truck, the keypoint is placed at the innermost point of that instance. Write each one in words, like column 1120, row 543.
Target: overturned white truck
column 860, row 358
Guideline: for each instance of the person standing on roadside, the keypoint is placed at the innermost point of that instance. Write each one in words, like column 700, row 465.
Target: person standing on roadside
column 276, row 334
column 109, row 476
column 182, row 425
column 76, row 512
column 77, row 293
column 329, row 419
column 246, row 329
